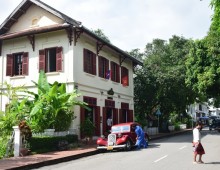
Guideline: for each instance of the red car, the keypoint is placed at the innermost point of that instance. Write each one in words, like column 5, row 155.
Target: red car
column 122, row 136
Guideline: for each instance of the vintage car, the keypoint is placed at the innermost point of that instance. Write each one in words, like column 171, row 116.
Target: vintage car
column 122, row 136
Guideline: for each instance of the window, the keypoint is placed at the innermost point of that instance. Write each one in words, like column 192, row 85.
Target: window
column 115, row 72
column 103, row 67
column 200, row 107
column 50, row 59
column 17, row 64
column 89, row 62
column 124, row 76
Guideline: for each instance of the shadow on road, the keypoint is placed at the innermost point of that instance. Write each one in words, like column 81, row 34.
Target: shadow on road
column 153, row 145
column 212, row 162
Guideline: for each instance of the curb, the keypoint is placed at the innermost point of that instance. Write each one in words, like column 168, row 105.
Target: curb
column 54, row 161
column 170, row 134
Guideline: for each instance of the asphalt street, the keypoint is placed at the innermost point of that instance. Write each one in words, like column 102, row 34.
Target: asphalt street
column 170, row 153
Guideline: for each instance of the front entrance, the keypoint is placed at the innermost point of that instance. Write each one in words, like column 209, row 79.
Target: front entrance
column 110, row 117
column 93, row 114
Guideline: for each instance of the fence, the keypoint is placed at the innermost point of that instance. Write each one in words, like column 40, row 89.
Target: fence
column 51, row 132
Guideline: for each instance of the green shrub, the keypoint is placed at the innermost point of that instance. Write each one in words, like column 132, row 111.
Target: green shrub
column 3, row 146
column 87, row 128
column 177, row 126
column 47, row 143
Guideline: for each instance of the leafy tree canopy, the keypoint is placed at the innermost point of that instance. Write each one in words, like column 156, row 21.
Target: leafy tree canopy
column 101, row 34
column 203, row 63
column 161, row 81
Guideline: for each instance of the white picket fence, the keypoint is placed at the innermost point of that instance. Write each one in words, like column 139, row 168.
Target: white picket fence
column 52, row 133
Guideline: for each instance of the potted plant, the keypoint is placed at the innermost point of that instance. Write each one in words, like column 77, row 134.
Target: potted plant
column 87, row 129
column 26, row 135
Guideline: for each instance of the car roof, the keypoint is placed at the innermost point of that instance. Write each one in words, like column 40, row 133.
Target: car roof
column 128, row 123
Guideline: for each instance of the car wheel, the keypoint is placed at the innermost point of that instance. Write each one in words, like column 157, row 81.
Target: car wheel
column 128, row 145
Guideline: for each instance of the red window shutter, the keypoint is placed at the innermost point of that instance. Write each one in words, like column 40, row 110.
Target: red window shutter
column 25, row 64
column 120, row 116
column 115, row 116
column 112, row 71
column 100, row 66
column 94, row 64
column 131, row 116
column 84, row 59
column 117, row 73
column 104, row 120
column 9, row 66
column 124, row 76
column 41, row 60
column 59, row 59
column 127, row 77
column 106, row 68
column 97, row 121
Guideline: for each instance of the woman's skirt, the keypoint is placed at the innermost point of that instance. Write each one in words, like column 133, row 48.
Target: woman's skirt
column 198, row 148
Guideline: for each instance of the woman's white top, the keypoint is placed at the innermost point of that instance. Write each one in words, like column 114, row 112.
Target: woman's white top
column 196, row 135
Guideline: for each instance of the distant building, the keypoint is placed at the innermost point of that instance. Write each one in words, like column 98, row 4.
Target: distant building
column 198, row 110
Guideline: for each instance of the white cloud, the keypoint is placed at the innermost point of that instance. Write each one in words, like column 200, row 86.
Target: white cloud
column 131, row 24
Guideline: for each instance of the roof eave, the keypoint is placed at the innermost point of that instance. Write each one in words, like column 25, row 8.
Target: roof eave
column 111, row 46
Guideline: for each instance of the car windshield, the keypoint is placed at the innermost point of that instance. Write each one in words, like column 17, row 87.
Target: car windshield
column 120, row 129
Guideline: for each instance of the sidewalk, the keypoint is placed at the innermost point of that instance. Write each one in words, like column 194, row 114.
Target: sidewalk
column 39, row 160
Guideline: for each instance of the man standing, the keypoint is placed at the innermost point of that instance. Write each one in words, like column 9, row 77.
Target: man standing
column 109, row 123
column 140, row 137
column 198, row 148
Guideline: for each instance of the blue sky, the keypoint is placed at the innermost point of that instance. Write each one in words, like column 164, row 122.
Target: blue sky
column 131, row 24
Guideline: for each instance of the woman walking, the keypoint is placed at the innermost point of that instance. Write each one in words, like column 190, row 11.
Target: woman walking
column 198, row 148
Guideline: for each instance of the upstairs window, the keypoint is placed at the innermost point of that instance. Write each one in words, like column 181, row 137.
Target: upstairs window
column 103, row 67
column 124, row 76
column 89, row 60
column 17, row 64
column 50, row 59
column 115, row 76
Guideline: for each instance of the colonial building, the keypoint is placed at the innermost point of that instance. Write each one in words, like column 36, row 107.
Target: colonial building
column 37, row 37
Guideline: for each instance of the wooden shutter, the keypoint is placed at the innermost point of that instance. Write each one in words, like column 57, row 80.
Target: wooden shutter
column 115, row 116
column 104, row 120
column 120, row 116
column 84, row 59
column 9, row 66
column 97, row 120
column 59, row 59
column 94, row 64
column 117, row 73
column 41, row 60
column 25, row 64
column 112, row 71
column 124, row 76
column 106, row 68
column 131, row 116
column 100, row 66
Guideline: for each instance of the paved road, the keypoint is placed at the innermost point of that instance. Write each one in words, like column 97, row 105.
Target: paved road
column 165, row 154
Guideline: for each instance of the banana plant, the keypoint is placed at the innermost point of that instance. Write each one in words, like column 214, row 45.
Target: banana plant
column 53, row 106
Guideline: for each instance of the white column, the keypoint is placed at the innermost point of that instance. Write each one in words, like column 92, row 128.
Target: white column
column 17, row 141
